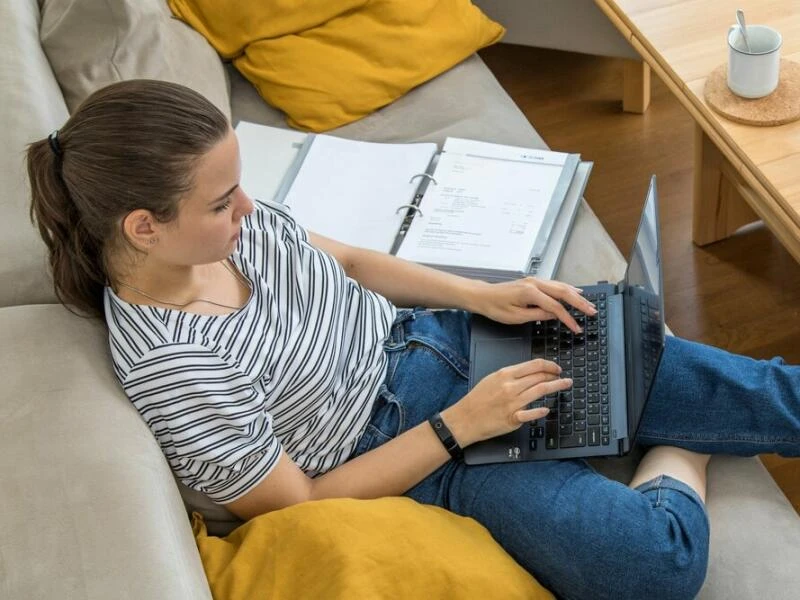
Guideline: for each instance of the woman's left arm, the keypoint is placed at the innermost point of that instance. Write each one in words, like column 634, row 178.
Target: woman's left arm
column 409, row 284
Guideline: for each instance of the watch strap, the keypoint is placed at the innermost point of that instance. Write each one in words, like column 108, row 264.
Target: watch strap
column 445, row 436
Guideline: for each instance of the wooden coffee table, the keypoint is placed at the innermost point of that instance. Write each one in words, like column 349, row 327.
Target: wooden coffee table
column 742, row 173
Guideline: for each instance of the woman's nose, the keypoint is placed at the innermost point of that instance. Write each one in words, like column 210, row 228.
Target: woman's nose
column 245, row 205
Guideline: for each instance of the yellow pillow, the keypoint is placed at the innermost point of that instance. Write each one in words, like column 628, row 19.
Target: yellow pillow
column 344, row 548
column 326, row 63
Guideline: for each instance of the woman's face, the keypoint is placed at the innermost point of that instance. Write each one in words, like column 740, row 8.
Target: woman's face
column 210, row 215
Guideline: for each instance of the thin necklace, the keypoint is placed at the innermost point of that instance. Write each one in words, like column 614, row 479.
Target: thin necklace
column 207, row 301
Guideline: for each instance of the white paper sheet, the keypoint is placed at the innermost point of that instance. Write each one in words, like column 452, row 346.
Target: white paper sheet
column 354, row 192
column 490, row 150
column 484, row 212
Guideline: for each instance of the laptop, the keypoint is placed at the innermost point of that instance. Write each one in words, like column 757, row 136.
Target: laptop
column 612, row 363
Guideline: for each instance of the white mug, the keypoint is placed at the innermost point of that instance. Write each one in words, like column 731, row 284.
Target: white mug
column 754, row 73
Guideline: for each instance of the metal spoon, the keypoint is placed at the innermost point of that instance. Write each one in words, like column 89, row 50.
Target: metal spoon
column 742, row 27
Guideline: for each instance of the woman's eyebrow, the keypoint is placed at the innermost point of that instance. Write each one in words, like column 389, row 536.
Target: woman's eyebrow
column 228, row 193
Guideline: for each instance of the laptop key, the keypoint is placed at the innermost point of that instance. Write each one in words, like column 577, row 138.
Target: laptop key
column 576, row 440
column 551, row 435
column 594, row 436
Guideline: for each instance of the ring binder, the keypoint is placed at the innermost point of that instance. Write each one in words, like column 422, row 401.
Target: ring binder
column 414, row 207
column 428, row 175
column 501, row 212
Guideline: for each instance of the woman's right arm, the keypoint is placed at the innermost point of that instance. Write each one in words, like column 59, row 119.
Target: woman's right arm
column 495, row 406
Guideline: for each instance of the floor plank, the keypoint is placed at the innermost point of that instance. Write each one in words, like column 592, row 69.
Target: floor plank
column 743, row 293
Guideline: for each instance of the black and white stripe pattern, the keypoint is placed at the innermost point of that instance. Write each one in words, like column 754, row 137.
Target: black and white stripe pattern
column 297, row 368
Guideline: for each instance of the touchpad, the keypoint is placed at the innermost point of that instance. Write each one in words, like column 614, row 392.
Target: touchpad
column 488, row 355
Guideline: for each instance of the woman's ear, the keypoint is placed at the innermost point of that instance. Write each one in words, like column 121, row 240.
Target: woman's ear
column 140, row 229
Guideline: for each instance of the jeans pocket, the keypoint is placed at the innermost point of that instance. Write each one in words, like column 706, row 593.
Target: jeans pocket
column 386, row 422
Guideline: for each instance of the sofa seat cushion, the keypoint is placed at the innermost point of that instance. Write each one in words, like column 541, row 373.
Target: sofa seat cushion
column 91, row 44
column 336, row 61
column 88, row 498
column 465, row 101
column 345, row 548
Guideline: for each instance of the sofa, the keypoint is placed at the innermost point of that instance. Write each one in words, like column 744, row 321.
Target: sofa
column 90, row 508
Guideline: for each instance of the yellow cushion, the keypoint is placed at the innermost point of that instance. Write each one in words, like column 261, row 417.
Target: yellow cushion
column 344, row 548
column 326, row 63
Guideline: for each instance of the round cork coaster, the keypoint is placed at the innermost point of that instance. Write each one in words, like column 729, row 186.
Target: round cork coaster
column 780, row 107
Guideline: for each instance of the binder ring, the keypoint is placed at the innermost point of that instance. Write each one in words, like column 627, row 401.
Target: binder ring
column 430, row 177
column 408, row 206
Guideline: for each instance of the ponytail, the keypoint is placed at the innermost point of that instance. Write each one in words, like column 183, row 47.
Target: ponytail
column 75, row 255
column 131, row 145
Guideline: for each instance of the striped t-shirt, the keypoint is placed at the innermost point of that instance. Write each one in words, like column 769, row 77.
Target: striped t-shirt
column 297, row 367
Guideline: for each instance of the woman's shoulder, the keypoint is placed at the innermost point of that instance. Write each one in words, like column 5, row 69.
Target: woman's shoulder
column 137, row 332
column 268, row 215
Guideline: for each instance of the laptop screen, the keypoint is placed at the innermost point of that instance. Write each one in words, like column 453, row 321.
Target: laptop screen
column 644, row 309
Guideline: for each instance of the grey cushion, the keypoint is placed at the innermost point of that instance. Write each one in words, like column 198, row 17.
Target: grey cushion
column 32, row 107
column 89, row 502
column 92, row 44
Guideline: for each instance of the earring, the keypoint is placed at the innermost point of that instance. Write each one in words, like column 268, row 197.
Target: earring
column 152, row 241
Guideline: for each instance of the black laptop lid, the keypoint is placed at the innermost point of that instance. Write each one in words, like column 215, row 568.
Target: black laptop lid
column 644, row 309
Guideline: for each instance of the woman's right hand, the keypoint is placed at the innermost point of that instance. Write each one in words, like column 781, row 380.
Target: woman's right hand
column 498, row 403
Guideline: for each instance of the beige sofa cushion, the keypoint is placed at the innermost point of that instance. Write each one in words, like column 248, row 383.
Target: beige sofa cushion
column 92, row 43
column 89, row 507
column 32, row 106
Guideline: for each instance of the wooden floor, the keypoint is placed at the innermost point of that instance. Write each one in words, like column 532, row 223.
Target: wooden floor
column 742, row 294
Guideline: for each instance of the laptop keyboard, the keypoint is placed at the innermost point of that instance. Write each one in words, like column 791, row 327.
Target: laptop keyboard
column 652, row 339
column 579, row 416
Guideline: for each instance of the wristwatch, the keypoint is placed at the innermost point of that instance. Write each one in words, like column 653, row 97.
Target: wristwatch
column 445, row 436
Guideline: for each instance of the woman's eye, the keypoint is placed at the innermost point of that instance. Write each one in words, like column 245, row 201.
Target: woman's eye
column 223, row 206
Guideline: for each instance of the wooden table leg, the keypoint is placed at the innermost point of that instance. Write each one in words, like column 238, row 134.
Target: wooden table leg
column 635, row 86
column 719, row 204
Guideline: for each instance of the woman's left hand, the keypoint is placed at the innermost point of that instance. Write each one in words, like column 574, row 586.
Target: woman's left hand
column 530, row 299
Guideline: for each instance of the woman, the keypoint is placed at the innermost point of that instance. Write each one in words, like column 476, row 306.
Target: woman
column 273, row 368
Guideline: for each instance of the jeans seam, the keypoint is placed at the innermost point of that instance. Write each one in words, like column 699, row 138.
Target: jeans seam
column 719, row 440
column 659, row 489
column 438, row 355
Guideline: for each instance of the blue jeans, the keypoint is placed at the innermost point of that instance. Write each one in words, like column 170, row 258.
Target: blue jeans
column 581, row 534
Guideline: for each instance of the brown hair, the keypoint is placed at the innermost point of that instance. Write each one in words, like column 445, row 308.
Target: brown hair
column 131, row 145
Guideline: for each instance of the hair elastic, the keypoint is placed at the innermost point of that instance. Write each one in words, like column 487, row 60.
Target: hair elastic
column 54, row 145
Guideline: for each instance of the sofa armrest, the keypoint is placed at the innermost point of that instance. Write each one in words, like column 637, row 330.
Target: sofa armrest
column 90, row 507
column 570, row 25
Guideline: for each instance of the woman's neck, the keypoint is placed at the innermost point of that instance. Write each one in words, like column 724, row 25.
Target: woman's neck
column 205, row 289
